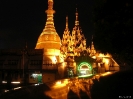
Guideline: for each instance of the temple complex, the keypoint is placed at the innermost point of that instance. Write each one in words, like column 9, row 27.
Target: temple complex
column 54, row 57
column 71, row 54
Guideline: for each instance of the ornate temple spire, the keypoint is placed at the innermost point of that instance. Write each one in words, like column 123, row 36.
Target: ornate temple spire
column 92, row 38
column 78, row 39
column 66, row 37
column 92, row 46
column 66, row 22
column 49, row 36
column 66, row 33
column 50, row 4
column 49, row 26
column 93, row 51
column 76, row 21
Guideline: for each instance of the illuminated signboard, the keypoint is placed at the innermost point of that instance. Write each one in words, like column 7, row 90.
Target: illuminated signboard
column 85, row 69
column 84, row 66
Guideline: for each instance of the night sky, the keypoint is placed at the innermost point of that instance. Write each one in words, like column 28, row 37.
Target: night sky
column 23, row 20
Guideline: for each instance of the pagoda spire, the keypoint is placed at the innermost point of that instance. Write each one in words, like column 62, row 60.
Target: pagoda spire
column 49, row 36
column 76, row 21
column 66, row 22
column 92, row 44
column 66, row 37
column 93, row 51
column 49, row 26
column 92, row 38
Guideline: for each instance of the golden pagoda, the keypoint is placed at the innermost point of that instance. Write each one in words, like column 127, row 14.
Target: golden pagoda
column 49, row 39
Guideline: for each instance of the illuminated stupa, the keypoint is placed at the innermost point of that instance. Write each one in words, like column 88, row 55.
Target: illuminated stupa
column 49, row 39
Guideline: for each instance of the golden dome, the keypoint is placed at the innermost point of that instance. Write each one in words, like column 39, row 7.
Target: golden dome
column 49, row 39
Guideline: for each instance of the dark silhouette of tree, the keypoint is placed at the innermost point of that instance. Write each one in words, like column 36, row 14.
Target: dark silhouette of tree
column 113, row 21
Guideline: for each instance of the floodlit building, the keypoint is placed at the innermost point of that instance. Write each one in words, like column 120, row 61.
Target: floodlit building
column 55, row 58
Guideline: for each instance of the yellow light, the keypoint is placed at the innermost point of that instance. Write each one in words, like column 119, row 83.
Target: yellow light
column 102, row 55
column 107, row 73
column 94, row 57
column 54, row 60
column 66, row 81
column 106, row 61
column 58, row 82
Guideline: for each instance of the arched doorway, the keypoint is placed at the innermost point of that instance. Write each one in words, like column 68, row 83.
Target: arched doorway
column 84, row 69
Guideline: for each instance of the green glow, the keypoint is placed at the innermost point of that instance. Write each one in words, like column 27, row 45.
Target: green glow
column 84, row 63
column 89, row 67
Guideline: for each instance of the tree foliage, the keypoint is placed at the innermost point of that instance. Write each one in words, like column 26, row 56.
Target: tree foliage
column 113, row 23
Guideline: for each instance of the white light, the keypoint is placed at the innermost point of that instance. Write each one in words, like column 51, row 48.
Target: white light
column 85, row 75
column 36, row 84
column 83, row 71
column 34, row 75
column 6, row 90
column 15, row 82
column 4, row 82
column 17, row 88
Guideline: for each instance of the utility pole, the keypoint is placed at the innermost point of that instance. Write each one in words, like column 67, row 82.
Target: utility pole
column 24, row 51
column 23, row 64
column 23, row 61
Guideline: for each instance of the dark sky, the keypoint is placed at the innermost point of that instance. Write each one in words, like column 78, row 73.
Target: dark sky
column 23, row 20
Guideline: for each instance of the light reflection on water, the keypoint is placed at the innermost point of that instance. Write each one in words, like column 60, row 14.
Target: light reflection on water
column 61, row 88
